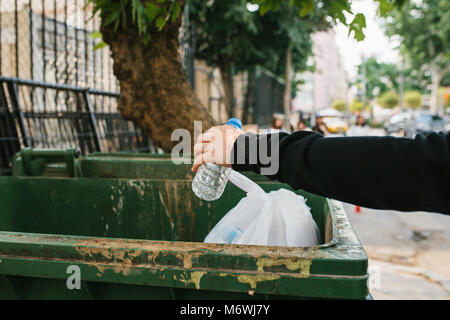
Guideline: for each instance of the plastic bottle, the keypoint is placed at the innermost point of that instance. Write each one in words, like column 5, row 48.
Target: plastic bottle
column 211, row 179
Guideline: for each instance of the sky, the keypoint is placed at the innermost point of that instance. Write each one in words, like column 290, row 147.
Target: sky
column 375, row 44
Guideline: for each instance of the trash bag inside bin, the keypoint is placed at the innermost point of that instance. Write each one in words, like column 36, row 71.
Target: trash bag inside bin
column 277, row 218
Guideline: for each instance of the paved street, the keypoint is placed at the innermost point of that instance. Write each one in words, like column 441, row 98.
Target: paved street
column 410, row 252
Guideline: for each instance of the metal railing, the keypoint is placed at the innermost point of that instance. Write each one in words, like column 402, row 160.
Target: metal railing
column 44, row 115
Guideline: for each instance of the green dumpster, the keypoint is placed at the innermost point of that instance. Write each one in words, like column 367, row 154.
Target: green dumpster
column 132, row 227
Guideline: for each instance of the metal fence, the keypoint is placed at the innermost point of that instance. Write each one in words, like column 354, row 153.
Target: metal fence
column 56, row 91
column 43, row 115
column 51, row 41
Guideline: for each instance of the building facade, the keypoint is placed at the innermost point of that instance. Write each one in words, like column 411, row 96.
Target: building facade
column 328, row 82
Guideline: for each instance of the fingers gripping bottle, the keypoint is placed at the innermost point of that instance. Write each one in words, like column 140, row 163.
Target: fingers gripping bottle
column 211, row 179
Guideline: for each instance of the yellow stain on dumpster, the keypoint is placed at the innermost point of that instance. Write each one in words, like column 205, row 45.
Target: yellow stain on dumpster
column 111, row 254
column 186, row 258
column 124, row 258
column 195, row 278
column 125, row 270
column 151, row 257
column 302, row 265
column 187, row 261
column 252, row 280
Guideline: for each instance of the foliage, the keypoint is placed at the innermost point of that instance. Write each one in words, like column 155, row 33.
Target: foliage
column 148, row 14
column 444, row 96
column 416, row 79
column 356, row 106
column 413, row 99
column 283, row 29
column 339, row 105
column 335, row 9
column 389, row 99
column 224, row 32
column 424, row 31
column 140, row 13
column 227, row 34
column 445, row 82
column 379, row 77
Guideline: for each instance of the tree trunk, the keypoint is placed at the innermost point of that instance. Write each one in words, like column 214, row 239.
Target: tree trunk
column 225, row 72
column 249, row 96
column 287, row 90
column 401, row 86
column 155, row 92
column 436, row 77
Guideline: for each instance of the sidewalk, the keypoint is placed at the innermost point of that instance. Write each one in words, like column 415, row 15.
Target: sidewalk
column 411, row 251
column 408, row 283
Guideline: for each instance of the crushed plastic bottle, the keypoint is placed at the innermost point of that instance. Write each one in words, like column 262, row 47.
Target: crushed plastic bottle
column 211, row 179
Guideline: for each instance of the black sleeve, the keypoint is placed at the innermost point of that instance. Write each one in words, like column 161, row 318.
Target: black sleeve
column 376, row 172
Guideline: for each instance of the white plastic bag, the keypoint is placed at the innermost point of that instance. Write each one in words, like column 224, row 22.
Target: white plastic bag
column 277, row 218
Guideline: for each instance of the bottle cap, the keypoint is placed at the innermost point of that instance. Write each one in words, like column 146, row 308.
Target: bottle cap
column 234, row 122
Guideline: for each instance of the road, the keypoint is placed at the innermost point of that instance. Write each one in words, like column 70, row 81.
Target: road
column 411, row 251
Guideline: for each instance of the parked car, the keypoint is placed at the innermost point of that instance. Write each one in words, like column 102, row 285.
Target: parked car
column 335, row 125
column 424, row 123
column 447, row 119
column 397, row 122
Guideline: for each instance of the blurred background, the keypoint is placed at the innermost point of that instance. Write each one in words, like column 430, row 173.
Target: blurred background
column 58, row 90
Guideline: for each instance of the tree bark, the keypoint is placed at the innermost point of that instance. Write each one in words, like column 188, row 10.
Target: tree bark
column 225, row 72
column 436, row 78
column 155, row 92
column 437, row 73
column 287, row 90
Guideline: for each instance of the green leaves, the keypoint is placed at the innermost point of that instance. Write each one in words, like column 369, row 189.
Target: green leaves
column 160, row 22
column 335, row 9
column 306, row 8
column 175, row 10
column 96, row 35
column 152, row 10
column 147, row 14
column 144, row 14
column 413, row 99
column 389, row 99
column 228, row 34
column 378, row 77
column 424, row 31
column 160, row 14
column 385, row 6
column 357, row 26
column 101, row 44
column 268, row 5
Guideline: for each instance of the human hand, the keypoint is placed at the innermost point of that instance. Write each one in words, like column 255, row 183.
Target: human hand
column 215, row 146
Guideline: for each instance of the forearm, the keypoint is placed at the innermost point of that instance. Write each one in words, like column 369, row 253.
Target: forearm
column 377, row 172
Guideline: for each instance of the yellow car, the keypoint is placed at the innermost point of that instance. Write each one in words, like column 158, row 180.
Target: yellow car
column 335, row 125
